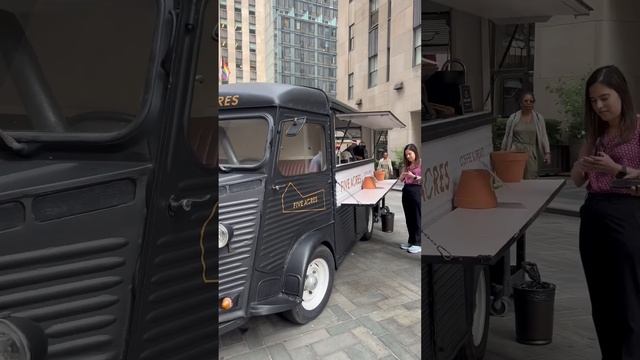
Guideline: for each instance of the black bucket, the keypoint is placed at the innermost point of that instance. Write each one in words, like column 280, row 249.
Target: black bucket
column 387, row 220
column 534, row 312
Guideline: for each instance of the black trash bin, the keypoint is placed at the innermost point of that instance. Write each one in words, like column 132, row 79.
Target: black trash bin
column 533, row 302
column 387, row 220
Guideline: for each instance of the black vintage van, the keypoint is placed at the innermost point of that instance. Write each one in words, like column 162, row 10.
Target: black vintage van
column 289, row 212
column 108, row 181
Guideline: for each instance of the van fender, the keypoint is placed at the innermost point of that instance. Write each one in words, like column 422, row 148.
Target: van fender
column 299, row 257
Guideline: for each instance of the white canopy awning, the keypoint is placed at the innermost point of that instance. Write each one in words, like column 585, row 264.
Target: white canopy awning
column 376, row 120
column 519, row 11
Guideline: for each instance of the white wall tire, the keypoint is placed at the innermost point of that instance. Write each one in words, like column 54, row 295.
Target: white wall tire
column 369, row 232
column 315, row 284
column 476, row 344
column 318, row 283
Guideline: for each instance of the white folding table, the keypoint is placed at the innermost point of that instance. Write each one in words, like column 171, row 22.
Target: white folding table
column 482, row 236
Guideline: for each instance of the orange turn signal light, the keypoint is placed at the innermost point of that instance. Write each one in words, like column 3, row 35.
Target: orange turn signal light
column 226, row 303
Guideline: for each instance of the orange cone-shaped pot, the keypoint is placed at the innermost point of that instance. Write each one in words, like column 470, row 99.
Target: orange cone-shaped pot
column 509, row 165
column 369, row 182
column 379, row 174
column 475, row 191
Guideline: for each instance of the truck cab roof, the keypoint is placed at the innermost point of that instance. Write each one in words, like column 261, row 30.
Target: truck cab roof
column 252, row 95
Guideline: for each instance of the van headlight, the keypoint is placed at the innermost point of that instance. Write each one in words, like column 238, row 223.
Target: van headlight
column 223, row 236
column 21, row 339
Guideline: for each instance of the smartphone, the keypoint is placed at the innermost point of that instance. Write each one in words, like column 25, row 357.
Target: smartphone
column 625, row 184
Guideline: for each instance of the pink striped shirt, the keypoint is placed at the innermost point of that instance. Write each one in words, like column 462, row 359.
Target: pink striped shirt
column 627, row 154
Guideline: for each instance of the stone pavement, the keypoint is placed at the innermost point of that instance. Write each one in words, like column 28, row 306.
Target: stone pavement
column 568, row 201
column 373, row 312
column 552, row 243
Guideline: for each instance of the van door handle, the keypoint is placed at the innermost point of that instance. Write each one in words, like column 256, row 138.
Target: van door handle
column 186, row 203
column 277, row 187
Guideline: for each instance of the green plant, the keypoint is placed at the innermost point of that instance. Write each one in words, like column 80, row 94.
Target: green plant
column 397, row 156
column 554, row 131
column 497, row 129
column 570, row 98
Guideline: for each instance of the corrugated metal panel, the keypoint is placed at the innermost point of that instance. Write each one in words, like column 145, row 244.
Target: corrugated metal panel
column 281, row 229
column 234, row 266
column 70, row 291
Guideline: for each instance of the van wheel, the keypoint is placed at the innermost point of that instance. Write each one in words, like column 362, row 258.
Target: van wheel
column 367, row 235
column 318, row 283
column 477, row 341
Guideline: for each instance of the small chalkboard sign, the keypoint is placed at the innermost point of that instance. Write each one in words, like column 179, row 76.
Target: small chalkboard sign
column 465, row 99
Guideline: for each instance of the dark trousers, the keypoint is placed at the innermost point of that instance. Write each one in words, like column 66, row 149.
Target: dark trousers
column 610, row 251
column 412, row 206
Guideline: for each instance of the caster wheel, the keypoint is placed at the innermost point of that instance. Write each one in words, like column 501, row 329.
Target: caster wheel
column 499, row 307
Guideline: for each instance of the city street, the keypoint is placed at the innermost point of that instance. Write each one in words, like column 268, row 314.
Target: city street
column 373, row 313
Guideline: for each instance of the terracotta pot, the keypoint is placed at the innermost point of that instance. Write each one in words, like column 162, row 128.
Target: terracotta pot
column 379, row 174
column 369, row 182
column 475, row 190
column 509, row 165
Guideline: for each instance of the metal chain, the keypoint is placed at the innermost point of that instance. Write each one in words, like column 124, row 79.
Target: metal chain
column 444, row 253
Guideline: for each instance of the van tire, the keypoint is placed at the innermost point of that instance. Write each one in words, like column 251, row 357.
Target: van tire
column 476, row 345
column 369, row 219
column 321, row 264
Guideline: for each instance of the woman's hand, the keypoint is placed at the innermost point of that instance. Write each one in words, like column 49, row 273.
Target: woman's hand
column 601, row 163
column 547, row 158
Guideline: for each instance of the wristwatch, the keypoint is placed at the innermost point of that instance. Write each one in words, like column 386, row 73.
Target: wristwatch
column 622, row 173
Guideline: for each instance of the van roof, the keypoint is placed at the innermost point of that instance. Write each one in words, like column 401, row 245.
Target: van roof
column 251, row 95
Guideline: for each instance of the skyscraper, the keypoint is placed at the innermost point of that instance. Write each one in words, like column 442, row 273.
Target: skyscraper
column 238, row 41
column 300, row 43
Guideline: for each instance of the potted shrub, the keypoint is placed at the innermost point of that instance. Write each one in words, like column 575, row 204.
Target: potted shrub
column 396, row 161
column 570, row 95
column 559, row 150
column 497, row 129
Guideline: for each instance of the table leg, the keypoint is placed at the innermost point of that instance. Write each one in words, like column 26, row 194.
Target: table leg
column 518, row 271
column 521, row 248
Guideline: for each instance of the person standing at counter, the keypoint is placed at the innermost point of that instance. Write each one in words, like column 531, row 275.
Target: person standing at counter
column 411, row 198
column 526, row 131
column 610, row 217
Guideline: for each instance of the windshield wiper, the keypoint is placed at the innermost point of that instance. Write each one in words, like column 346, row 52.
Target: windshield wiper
column 13, row 144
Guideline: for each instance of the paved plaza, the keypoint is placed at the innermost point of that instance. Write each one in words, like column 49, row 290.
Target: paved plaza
column 374, row 311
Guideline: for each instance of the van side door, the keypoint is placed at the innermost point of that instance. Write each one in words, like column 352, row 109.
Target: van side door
column 299, row 196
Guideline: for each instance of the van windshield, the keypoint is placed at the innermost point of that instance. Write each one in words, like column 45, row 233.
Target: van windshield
column 73, row 66
column 242, row 142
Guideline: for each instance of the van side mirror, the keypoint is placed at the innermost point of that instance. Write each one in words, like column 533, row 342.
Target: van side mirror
column 296, row 126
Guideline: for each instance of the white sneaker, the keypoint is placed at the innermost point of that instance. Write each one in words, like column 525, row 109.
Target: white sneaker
column 405, row 246
column 414, row 249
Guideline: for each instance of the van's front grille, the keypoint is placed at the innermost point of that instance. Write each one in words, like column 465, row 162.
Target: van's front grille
column 72, row 292
column 243, row 217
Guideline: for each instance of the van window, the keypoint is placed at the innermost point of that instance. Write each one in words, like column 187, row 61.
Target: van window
column 242, row 142
column 74, row 66
column 303, row 153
